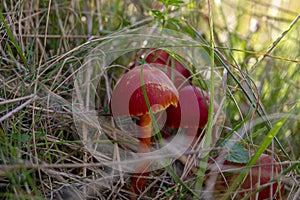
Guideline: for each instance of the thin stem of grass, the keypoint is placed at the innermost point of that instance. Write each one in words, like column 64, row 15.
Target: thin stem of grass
column 275, row 43
column 7, row 115
column 13, row 40
column 208, row 135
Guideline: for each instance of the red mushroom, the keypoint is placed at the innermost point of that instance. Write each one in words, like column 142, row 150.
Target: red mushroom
column 168, row 64
column 260, row 175
column 192, row 111
column 162, row 57
column 191, row 114
column 128, row 99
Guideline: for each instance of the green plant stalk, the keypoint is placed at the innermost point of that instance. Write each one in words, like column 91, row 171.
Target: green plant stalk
column 208, row 137
column 61, row 27
column 13, row 40
column 256, row 133
column 265, row 143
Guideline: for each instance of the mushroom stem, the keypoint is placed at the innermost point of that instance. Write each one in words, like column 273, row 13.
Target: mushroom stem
column 141, row 171
column 145, row 133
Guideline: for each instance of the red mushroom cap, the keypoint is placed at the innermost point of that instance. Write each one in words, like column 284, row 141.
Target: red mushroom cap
column 162, row 57
column 260, row 175
column 128, row 98
column 192, row 110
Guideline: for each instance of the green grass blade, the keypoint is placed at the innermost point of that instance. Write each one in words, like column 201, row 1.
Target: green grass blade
column 208, row 136
column 177, row 179
column 13, row 40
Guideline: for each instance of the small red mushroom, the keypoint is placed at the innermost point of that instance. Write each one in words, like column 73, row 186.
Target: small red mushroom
column 128, row 99
column 192, row 110
column 162, row 57
column 168, row 64
column 260, row 175
column 190, row 114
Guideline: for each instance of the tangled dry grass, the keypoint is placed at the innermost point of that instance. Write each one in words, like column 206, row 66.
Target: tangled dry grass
column 45, row 43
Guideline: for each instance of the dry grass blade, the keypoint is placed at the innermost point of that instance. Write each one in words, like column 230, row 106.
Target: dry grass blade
column 276, row 42
column 17, row 109
column 3, row 102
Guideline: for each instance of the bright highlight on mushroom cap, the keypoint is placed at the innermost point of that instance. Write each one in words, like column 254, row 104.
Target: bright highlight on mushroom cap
column 128, row 98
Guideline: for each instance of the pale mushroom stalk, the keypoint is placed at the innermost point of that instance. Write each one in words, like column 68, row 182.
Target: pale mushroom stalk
column 138, row 182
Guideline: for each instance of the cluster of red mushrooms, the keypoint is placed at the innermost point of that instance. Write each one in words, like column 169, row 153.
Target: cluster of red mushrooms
column 152, row 87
